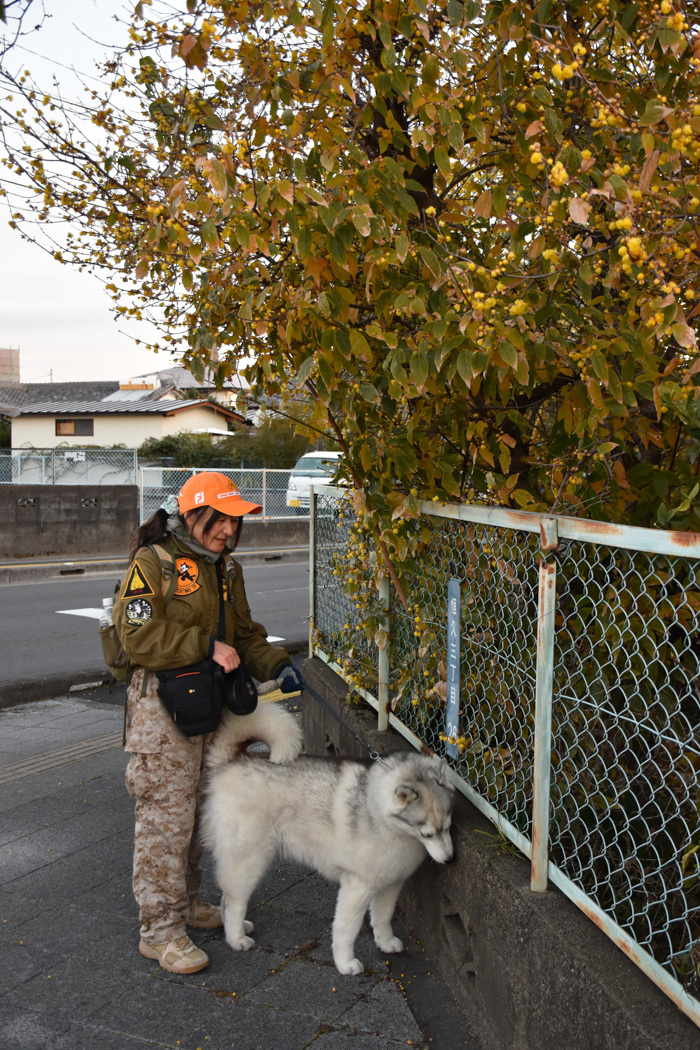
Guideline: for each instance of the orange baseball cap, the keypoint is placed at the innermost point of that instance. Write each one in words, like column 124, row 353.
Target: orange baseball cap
column 210, row 489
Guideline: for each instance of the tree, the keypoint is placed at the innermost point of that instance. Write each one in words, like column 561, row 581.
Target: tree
column 468, row 232
column 275, row 445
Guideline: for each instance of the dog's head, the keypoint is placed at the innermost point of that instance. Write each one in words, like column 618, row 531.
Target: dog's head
column 422, row 802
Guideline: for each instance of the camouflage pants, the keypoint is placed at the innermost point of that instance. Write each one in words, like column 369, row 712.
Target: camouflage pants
column 164, row 776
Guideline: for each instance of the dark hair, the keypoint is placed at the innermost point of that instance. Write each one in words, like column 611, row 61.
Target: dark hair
column 151, row 531
column 154, row 529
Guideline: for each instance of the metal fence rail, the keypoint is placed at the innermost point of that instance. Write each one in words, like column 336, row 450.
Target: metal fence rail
column 66, row 466
column 266, row 487
column 579, row 731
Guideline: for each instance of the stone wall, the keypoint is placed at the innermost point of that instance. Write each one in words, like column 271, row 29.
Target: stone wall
column 44, row 520
column 528, row 970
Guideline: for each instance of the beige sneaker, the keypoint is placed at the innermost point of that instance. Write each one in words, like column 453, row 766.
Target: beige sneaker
column 178, row 956
column 205, row 916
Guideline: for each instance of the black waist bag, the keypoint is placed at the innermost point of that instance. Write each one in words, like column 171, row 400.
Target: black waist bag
column 192, row 696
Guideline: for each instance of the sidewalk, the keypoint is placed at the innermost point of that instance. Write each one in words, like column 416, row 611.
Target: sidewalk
column 71, row 977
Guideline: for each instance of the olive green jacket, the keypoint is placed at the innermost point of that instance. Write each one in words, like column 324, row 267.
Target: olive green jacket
column 159, row 636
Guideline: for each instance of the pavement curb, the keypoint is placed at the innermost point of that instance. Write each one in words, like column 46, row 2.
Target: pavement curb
column 49, row 687
column 117, row 566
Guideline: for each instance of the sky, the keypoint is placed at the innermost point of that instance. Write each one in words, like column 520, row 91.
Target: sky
column 61, row 319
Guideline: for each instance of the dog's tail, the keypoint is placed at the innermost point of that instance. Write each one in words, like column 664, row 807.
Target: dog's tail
column 270, row 724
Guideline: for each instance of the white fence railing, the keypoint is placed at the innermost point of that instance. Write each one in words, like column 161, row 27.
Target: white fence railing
column 66, row 466
column 578, row 731
column 266, row 487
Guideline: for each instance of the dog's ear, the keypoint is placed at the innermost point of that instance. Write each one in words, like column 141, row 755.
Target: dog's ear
column 404, row 795
column 442, row 777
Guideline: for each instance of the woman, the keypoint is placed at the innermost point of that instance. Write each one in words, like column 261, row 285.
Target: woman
column 169, row 623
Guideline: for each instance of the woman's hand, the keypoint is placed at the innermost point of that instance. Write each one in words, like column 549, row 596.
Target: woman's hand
column 226, row 656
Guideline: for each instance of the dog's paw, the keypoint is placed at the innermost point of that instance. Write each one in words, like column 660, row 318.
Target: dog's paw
column 248, row 926
column 353, row 967
column 390, row 945
column 241, row 944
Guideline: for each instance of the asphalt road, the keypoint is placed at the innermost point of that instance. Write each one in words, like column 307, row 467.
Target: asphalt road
column 44, row 634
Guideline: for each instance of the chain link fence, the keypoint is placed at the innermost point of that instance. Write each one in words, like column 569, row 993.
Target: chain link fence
column 579, row 725
column 266, row 487
column 65, row 466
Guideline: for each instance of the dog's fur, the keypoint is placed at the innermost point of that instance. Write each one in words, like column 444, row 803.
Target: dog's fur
column 366, row 826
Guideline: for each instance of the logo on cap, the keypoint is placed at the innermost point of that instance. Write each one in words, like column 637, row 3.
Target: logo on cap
column 199, row 497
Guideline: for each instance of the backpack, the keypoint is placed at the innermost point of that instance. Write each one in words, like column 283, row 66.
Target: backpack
column 116, row 658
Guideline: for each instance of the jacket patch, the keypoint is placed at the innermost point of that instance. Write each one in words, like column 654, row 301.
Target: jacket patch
column 137, row 585
column 138, row 612
column 187, row 576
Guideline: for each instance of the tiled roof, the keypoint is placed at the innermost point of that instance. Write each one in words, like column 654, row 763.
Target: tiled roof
column 24, row 394
column 184, row 380
column 120, row 408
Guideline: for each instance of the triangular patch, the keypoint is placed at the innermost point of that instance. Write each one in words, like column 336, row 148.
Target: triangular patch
column 137, row 585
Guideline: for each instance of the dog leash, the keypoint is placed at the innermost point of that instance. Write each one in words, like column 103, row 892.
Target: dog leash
column 374, row 755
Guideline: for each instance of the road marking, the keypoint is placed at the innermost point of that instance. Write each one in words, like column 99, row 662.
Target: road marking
column 278, row 590
column 94, row 614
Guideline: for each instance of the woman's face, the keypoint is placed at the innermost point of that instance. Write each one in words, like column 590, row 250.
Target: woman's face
column 219, row 534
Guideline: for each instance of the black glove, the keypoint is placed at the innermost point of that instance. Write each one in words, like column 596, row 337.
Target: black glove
column 289, row 679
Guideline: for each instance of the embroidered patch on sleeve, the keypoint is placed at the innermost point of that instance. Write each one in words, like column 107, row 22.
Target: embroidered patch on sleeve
column 187, row 576
column 138, row 612
column 137, row 585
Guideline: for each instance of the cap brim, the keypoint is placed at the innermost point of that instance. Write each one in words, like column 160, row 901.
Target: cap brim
column 235, row 507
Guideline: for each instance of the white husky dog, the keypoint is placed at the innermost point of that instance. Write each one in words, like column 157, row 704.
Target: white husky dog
column 366, row 826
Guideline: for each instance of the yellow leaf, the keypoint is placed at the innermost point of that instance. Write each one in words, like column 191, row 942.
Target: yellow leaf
column 286, row 190
column 483, row 205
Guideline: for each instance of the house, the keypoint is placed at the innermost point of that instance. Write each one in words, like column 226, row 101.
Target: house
column 117, row 422
column 15, row 396
column 179, row 381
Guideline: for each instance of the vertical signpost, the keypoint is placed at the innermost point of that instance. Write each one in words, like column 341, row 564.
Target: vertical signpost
column 453, row 632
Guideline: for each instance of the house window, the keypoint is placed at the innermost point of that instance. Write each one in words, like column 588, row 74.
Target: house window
column 74, row 427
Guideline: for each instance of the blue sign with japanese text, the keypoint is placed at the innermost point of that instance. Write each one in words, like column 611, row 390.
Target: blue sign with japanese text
column 453, row 631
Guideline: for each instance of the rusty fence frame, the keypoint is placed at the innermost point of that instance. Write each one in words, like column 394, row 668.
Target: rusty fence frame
column 551, row 530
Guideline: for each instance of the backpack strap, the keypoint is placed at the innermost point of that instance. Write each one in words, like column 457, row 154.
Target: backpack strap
column 167, row 565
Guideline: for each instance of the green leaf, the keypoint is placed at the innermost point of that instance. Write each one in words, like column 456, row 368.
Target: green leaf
column 476, row 126
column 419, row 367
column 431, row 70
column 544, row 10
column 305, row 370
column 464, row 365
column 359, row 344
column 443, row 161
column 509, row 354
column 499, row 201
column 455, row 137
column 654, row 113
column 600, row 365
column 369, row 392
column 430, row 260
column 455, row 12
column 304, row 242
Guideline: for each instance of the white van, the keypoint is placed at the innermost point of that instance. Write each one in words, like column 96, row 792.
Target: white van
column 314, row 468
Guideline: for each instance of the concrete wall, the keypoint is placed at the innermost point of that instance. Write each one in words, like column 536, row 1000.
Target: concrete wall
column 44, row 520
column 66, row 519
column 529, row 971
